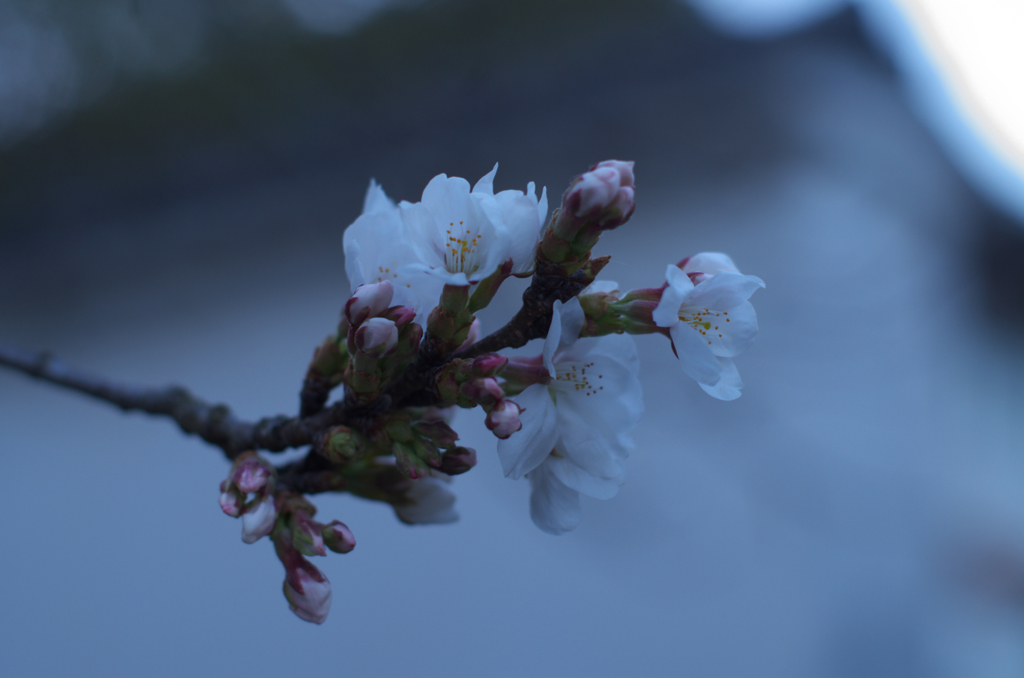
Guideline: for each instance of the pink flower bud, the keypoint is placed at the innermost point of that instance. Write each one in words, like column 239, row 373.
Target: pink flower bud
column 306, row 536
column 503, row 419
column 624, row 201
column 377, row 335
column 459, row 460
column 368, row 301
column 483, row 390
column 251, row 474
column 258, row 521
column 474, row 334
column 592, row 193
column 489, row 364
column 338, row 537
column 308, row 591
column 401, row 315
column 607, row 187
column 624, row 169
column 231, row 503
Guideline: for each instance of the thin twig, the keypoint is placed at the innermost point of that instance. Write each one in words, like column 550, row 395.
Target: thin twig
column 213, row 423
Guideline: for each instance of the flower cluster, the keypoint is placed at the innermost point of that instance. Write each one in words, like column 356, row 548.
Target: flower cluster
column 408, row 351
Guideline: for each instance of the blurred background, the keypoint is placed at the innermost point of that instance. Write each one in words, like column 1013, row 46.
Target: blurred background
column 175, row 178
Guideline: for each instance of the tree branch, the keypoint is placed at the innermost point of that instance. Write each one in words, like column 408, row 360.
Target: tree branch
column 213, row 423
column 534, row 317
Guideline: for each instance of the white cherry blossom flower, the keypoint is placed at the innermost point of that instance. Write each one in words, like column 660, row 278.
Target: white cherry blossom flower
column 376, row 248
column 575, row 426
column 454, row 236
column 523, row 215
column 462, row 235
column 710, row 322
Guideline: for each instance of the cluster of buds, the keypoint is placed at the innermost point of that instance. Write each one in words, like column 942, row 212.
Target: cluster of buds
column 422, row 445
column 296, row 535
column 599, row 200
column 408, row 351
column 248, row 492
column 381, row 339
column 473, row 382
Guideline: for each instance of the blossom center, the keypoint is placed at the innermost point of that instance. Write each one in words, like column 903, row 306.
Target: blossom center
column 461, row 248
column 704, row 321
column 574, row 376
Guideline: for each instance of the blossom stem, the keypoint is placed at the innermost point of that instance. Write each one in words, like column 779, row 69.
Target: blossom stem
column 533, row 319
column 214, row 423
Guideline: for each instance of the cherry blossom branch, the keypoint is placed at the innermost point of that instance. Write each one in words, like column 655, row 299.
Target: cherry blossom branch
column 214, row 423
column 534, row 317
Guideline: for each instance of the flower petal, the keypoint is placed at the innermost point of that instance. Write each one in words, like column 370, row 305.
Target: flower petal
column 580, row 478
column 737, row 334
column 554, row 507
column 572, row 320
column 519, row 216
column 542, row 203
column 695, row 356
column 608, row 396
column 486, row 183
column 723, row 292
column 729, row 384
column 376, row 199
column 552, row 341
column 666, row 313
column 619, row 347
column 521, row 452
column 711, row 263
column 375, row 248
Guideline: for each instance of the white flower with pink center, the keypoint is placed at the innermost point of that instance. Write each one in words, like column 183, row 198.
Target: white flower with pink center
column 454, row 236
column 710, row 321
column 575, row 424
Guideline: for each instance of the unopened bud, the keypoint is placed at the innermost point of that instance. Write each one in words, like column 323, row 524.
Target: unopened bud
column 438, row 431
column 338, row 537
column 308, row 591
column 408, row 462
column 398, row 427
column 599, row 191
column 459, row 460
column 306, row 536
column 230, row 502
column 369, row 301
column 624, row 168
column 401, row 315
column 377, row 335
column 483, row 390
column 342, row 444
column 251, row 474
column 489, row 364
column 503, row 419
column 258, row 521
